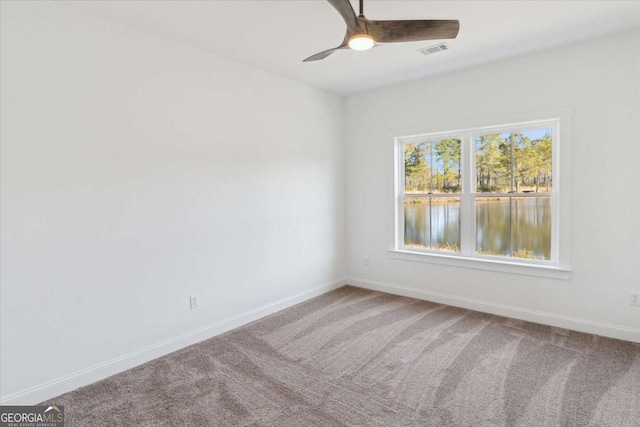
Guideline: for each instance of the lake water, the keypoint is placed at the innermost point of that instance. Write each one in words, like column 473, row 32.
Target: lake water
column 527, row 235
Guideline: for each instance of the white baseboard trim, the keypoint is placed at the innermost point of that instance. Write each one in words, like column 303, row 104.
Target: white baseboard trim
column 64, row 384
column 550, row 319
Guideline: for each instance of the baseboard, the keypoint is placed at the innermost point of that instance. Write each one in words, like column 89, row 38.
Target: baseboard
column 108, row 368
column 550, row 319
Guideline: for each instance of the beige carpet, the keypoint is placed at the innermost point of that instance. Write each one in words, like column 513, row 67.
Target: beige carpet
column 357, row 357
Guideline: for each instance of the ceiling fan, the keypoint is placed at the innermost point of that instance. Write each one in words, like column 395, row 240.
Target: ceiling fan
column 363, row 34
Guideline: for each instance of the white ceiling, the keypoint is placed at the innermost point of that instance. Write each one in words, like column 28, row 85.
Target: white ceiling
column 278, row 35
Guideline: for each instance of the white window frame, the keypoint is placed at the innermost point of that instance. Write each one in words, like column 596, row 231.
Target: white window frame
column 557, row 266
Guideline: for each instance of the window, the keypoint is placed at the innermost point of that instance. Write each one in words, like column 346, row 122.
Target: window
column 482, row 194
column 432, row 185
column 513, row 186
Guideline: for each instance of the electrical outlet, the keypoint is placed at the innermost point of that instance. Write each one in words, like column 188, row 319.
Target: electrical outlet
column 635, row 298
column 194, row 301
column 366, row 261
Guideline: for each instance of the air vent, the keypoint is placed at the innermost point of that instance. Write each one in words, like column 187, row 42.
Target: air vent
column 434, row 49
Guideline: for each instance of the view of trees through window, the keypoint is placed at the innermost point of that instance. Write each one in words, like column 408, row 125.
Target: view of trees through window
column 512, row 202
column 514, row 162
column 433, row 168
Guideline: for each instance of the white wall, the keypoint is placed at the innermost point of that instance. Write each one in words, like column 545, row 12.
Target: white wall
column 599, row 80
column 137, row 171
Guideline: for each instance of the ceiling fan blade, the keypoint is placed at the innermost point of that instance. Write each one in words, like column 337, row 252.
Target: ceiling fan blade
column 346, row 11
column 412, row 30
column 321, row 55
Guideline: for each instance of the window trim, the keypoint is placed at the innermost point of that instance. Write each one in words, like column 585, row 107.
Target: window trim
column 558, row 266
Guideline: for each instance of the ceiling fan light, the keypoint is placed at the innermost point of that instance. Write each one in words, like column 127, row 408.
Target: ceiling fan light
column 361, row 42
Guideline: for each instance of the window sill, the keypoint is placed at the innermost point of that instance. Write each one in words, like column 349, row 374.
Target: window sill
column 548, row 271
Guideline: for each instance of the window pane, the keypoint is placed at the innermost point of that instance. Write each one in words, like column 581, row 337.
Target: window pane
column 432, row 223
column 493, row 233
column 417, row 174
column 531, row 227
column 445, row 166
column 417, row 220
column 492, row 164
column 432, row 166
column 518, row 227
column 445, row 224
column 514, row 162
